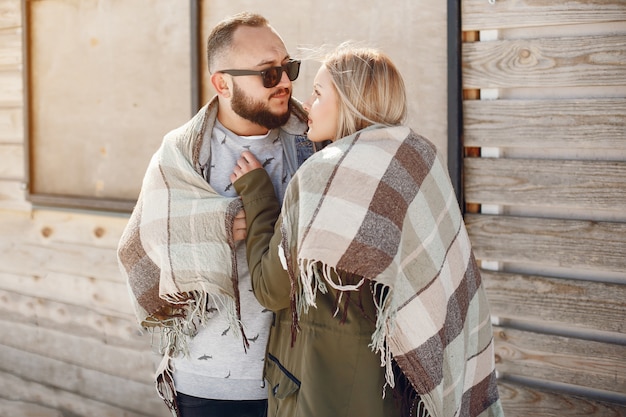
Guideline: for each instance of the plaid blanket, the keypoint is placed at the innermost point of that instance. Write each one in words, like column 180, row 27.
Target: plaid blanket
column 177, row 251
column 380, row 205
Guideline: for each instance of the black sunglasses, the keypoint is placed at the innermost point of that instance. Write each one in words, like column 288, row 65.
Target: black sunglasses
column 271, row 76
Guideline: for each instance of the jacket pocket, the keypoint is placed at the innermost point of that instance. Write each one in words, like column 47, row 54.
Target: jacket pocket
column 282, row 382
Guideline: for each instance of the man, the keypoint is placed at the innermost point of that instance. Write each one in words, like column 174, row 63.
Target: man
column 182, row 251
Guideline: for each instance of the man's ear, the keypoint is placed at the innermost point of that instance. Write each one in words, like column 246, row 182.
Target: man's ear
column 220, row 84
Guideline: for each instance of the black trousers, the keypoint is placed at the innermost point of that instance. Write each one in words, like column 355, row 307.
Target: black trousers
column 202, row 407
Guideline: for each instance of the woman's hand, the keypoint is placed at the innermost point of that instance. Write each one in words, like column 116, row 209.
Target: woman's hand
column 240, row 230
column 245, row 164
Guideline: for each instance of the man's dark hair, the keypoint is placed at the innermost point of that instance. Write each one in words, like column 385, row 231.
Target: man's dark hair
column 221, row 37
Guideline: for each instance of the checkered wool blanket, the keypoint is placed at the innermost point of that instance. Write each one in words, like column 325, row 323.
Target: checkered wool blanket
column 380, row 205
column 177, row 251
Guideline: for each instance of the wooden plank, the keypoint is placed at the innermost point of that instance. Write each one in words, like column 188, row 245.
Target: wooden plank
column 10, row 14
column 594, row 185
column 37, row 261
column 11, row 126
column 12, row 166
column 51, row 227
column 105, row 296
column 16, row 390
column 87, row 352
column 598, row 60
column 586, row 124
column 481, row 14
column 578, row 244
column 12, row 197
column 585, row 363
column 38, row 244
column 76, row 320
column 521, row 401
column 22, row 409
column 11, row 50
column 66, row 376
column 11, row 89
column 583, row 304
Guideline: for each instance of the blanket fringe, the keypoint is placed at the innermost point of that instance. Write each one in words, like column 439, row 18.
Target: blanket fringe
column 164, row 381
column 175, row 332
column 314, row 276
column 385, row 319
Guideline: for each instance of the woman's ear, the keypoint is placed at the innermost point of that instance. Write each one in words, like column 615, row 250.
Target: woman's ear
column 220, row 84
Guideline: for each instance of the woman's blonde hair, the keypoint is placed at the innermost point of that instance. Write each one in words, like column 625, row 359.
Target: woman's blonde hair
column 369, row 86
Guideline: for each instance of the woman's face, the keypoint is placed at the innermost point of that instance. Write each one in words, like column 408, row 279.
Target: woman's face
column 323, row 108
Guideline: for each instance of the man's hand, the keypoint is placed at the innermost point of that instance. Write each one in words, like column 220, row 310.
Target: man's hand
column 239, row 226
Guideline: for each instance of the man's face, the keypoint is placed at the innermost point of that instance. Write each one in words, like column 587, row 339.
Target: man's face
column 259, row 48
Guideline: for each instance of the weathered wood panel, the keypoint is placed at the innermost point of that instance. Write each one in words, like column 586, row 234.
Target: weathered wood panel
column 97, row 87
column 17, row 391
column 561, row 359
column 111, row 328
column 521, row 401
column 93, row 229
column 10, row 49
column 592, row 123
column 11, row 127
column 66, row 376
column 86, row 352
column 10, row 89
column 23, row 409
column 504, row 14
column 98, row 294
column 587, row 245
column 583, row 304
column 12, row 162
column 40, row 260
column 10, row 14
column 598, row 60
column 591, row 185
column 12, row 196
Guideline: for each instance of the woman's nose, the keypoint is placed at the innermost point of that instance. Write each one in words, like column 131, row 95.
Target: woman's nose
column 307, row 105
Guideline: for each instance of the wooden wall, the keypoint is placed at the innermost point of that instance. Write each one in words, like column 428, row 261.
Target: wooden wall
column 69, row 343
column 545, row 183
column 545, row 186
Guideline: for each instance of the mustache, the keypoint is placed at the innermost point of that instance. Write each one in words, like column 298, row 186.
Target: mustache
column 281, row 91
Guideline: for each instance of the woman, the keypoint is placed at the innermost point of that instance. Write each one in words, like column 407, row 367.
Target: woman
column 371, row 237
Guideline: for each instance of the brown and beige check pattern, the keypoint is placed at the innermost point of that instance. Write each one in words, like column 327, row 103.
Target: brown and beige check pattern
column 177, row 251
column 380, row 205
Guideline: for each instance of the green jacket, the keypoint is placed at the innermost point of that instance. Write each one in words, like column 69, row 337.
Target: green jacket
column 330, row 371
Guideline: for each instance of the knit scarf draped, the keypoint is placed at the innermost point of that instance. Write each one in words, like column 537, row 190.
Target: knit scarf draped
column 379, row 205
column 177, row 251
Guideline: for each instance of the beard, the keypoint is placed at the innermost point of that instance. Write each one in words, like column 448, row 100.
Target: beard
column 256, row 111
